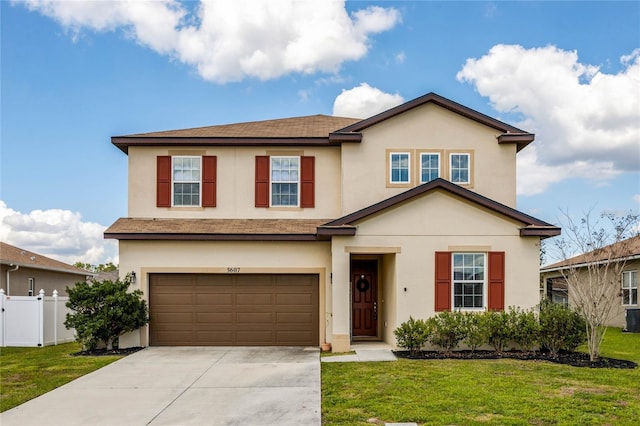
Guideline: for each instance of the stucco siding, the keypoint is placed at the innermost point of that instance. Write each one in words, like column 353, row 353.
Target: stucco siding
column 43, row 280
column 428, row 127
column 235, row 183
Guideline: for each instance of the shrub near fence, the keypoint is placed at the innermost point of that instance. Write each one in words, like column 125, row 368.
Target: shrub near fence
column 33, row 320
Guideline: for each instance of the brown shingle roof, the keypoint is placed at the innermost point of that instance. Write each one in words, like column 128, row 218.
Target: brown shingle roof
column 214, row 229
column 11, row 255
column 620, row 250
column 312, row 126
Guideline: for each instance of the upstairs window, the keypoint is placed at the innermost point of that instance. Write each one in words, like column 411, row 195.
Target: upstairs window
column 429, row 166
column 460, row 168
column 399, row 168
column 186, row 181
column 630, row 288
column 285, row 181
column 285, row 173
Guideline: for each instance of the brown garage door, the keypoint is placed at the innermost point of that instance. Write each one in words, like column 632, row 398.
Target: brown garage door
column 233, row 310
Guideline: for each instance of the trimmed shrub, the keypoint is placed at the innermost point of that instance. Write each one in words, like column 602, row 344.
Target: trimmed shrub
column 498, row 326
column 447, row 330
column 525, row 328
column 103, row 311
column 412, row 334
column 561, row 328
column 475, row 330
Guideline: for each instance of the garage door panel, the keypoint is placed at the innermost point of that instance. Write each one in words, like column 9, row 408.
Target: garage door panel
column 234, row 309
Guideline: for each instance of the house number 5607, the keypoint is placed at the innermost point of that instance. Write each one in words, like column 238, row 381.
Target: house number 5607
column 233, row 270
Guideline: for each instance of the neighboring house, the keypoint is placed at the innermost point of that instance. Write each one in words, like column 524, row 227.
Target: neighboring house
column 625, row 293
column 25, row 273
column 302, row 230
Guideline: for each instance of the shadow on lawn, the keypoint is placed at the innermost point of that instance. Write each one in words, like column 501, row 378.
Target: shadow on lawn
column 575, row 359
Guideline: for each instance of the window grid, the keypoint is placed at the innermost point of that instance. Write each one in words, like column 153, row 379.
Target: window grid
column 285, row 175
column 468, row 280
column 459, row 168
column 186, row 181
column 429, row 167
column 400, row 167
column 630, row 288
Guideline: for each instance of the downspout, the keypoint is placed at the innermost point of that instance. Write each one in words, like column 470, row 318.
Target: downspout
column 10, row 270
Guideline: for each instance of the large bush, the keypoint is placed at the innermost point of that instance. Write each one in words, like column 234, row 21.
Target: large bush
column 499, row 329
column 412, row 334
column 447, row 330
column 525, row 328
column 103, row 311
column 475, row 330
column 560, row 327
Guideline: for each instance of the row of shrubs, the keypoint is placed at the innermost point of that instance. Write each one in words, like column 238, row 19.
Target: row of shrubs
column 551, row 326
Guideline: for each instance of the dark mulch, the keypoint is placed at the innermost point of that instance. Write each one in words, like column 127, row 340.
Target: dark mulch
column 102, row 352
column 576, row 359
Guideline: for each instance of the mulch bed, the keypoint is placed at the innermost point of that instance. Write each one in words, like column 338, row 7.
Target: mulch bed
column 575, row 359
column 102, row 352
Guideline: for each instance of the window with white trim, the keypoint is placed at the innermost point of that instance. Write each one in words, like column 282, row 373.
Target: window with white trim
column 429, row 166
column 630, row 288
column 186, row 181
column 460, row 168
column 399, row 167
column 469, row 272
column 285, row 178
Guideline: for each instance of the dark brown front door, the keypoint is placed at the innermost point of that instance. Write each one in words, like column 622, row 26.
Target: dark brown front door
column 364, row 298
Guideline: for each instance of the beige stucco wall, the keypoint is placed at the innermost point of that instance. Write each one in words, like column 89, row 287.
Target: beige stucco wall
column 215, row 257
column 235, row 183
column 428, row 127
column 411, row 234
column 44, row 280
column 617, row 318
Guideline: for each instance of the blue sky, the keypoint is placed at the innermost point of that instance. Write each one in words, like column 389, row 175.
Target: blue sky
column 76, row 73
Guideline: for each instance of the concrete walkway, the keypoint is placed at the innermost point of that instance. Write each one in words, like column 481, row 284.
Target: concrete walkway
column 187, row 386
column 364, row 352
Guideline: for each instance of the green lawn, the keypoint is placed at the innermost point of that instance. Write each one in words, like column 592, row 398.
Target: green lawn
column 459, row 392
column 26, row 373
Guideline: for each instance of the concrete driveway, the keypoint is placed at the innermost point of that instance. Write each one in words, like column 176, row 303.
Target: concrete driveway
column 187, row 386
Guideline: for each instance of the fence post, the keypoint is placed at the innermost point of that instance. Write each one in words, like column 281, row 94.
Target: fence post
column 41, row 318
column 55, row 317
column 2, row 298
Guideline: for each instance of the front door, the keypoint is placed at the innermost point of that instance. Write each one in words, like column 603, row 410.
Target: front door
column 364, row 298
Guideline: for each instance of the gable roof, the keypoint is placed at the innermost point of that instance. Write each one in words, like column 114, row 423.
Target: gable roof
column 622, row 250
column 11, row 255
column 531, row 225
column 510, row 134
column 310, row 130
column 307, row 130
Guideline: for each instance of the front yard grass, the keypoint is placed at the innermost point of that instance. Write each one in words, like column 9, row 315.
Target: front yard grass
column 474, row 392
column 26, row 373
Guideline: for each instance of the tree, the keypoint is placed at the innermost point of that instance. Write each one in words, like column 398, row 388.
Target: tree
column 593, row 278
column 102, row 267
column 104, row 310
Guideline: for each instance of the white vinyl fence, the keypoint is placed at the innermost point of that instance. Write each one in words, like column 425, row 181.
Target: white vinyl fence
column 34, row 320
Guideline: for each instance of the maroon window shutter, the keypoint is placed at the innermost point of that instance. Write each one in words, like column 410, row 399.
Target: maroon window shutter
column 209, row 170
column 307, row 181
column 496, row 281
column 443, row 281
column 262, row 181
column 163, row 181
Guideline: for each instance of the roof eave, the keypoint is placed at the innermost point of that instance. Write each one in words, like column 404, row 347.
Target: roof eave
column 540, row 231
column 124, row 142
column 46, row 268
column 520, row 139
column 207, row 237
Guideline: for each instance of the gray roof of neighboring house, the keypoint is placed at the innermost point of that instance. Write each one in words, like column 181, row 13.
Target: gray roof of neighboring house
column 11, row 255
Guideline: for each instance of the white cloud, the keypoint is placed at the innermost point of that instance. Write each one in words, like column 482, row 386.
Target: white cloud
column 636, row 198
column 229, row 40
column 364, row 101
column 59, row 234
column 587, row 123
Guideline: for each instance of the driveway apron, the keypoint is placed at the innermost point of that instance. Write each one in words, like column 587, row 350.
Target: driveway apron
column 187, row 386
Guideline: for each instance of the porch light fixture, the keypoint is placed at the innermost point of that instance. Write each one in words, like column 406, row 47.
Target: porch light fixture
column 133, row 277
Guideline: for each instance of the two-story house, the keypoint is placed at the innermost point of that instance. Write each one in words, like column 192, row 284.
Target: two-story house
column 302, row 230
